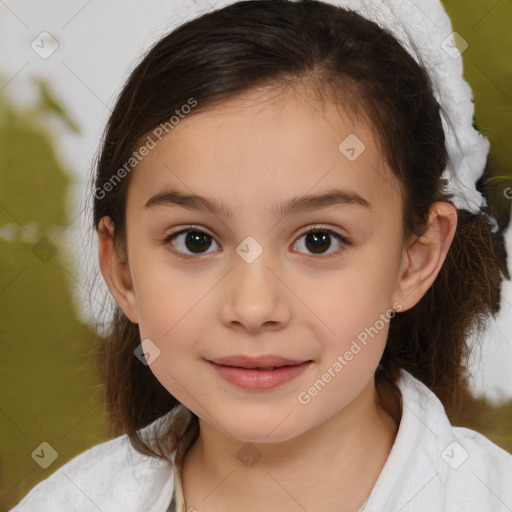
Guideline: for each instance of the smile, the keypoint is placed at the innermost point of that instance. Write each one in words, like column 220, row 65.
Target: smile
column 259, row 378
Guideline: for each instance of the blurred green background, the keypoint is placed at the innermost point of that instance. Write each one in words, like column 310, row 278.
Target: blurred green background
column 50, row 391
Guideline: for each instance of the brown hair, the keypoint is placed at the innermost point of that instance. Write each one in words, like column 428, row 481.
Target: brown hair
column 283, row 43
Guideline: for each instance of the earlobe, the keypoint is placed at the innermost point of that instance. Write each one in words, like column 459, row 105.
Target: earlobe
column 115, row 270
column 424, row 258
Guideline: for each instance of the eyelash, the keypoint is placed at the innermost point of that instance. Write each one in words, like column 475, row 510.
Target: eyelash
column 196, row 229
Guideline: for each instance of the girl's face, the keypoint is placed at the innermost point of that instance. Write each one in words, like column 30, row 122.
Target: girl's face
column 247, row 279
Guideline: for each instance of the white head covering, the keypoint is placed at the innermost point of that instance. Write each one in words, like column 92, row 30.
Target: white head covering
column 424, row 29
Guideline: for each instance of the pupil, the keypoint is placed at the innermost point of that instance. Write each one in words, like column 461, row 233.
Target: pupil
column 195, row 241
column 317, row 238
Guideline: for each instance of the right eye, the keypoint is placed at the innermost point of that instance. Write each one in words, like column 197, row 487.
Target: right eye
column 190, row 238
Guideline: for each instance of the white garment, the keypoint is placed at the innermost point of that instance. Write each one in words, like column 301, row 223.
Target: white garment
column 432, row 467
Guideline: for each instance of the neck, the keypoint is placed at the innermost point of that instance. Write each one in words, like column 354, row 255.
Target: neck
column 333, row 466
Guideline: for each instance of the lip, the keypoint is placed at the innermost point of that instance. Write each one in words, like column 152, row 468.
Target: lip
column 254, row 379
column 266, row 361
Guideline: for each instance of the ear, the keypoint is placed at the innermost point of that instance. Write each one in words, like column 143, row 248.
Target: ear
column 115, row 270
column 425, row 256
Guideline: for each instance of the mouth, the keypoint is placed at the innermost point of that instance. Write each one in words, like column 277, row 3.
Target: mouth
column 258, row 374
column 267, row 362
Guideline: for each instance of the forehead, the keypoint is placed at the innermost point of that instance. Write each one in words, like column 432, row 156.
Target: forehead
column 264, row 146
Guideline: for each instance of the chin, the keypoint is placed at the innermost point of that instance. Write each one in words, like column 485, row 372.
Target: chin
column 262, row 437
column 274, row 430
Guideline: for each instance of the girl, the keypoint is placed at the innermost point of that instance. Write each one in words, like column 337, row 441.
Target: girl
column 295, row 280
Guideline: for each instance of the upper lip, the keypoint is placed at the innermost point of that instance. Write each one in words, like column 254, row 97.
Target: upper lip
column 266, row 361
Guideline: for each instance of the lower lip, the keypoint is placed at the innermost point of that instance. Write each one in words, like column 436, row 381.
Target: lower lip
column 259, row 379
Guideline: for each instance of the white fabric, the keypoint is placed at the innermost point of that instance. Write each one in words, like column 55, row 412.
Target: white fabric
column 425, row 30
column 113, row 477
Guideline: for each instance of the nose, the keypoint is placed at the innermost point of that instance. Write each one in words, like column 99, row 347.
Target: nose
column 255, row 297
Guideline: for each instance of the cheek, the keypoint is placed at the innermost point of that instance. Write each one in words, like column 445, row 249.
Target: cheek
column 176, row 307
column 354, row 320
column 352, row 313
column 346, row 302
column 173, row 316
column 167, row 294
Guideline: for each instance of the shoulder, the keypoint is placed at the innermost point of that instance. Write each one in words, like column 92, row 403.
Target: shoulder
column 477, row 472
column 434, row 465
column 489, row 462
column 110, row 476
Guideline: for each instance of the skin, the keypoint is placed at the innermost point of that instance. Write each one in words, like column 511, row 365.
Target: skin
column 253, row 152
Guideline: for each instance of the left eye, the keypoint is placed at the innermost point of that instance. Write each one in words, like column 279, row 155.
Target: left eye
column 318, row 240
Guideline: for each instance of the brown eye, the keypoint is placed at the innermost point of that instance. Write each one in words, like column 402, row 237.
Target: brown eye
column 190, row 241
column 318, row 241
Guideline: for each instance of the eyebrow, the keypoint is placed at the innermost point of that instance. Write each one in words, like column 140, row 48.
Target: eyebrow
column 294, row 205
